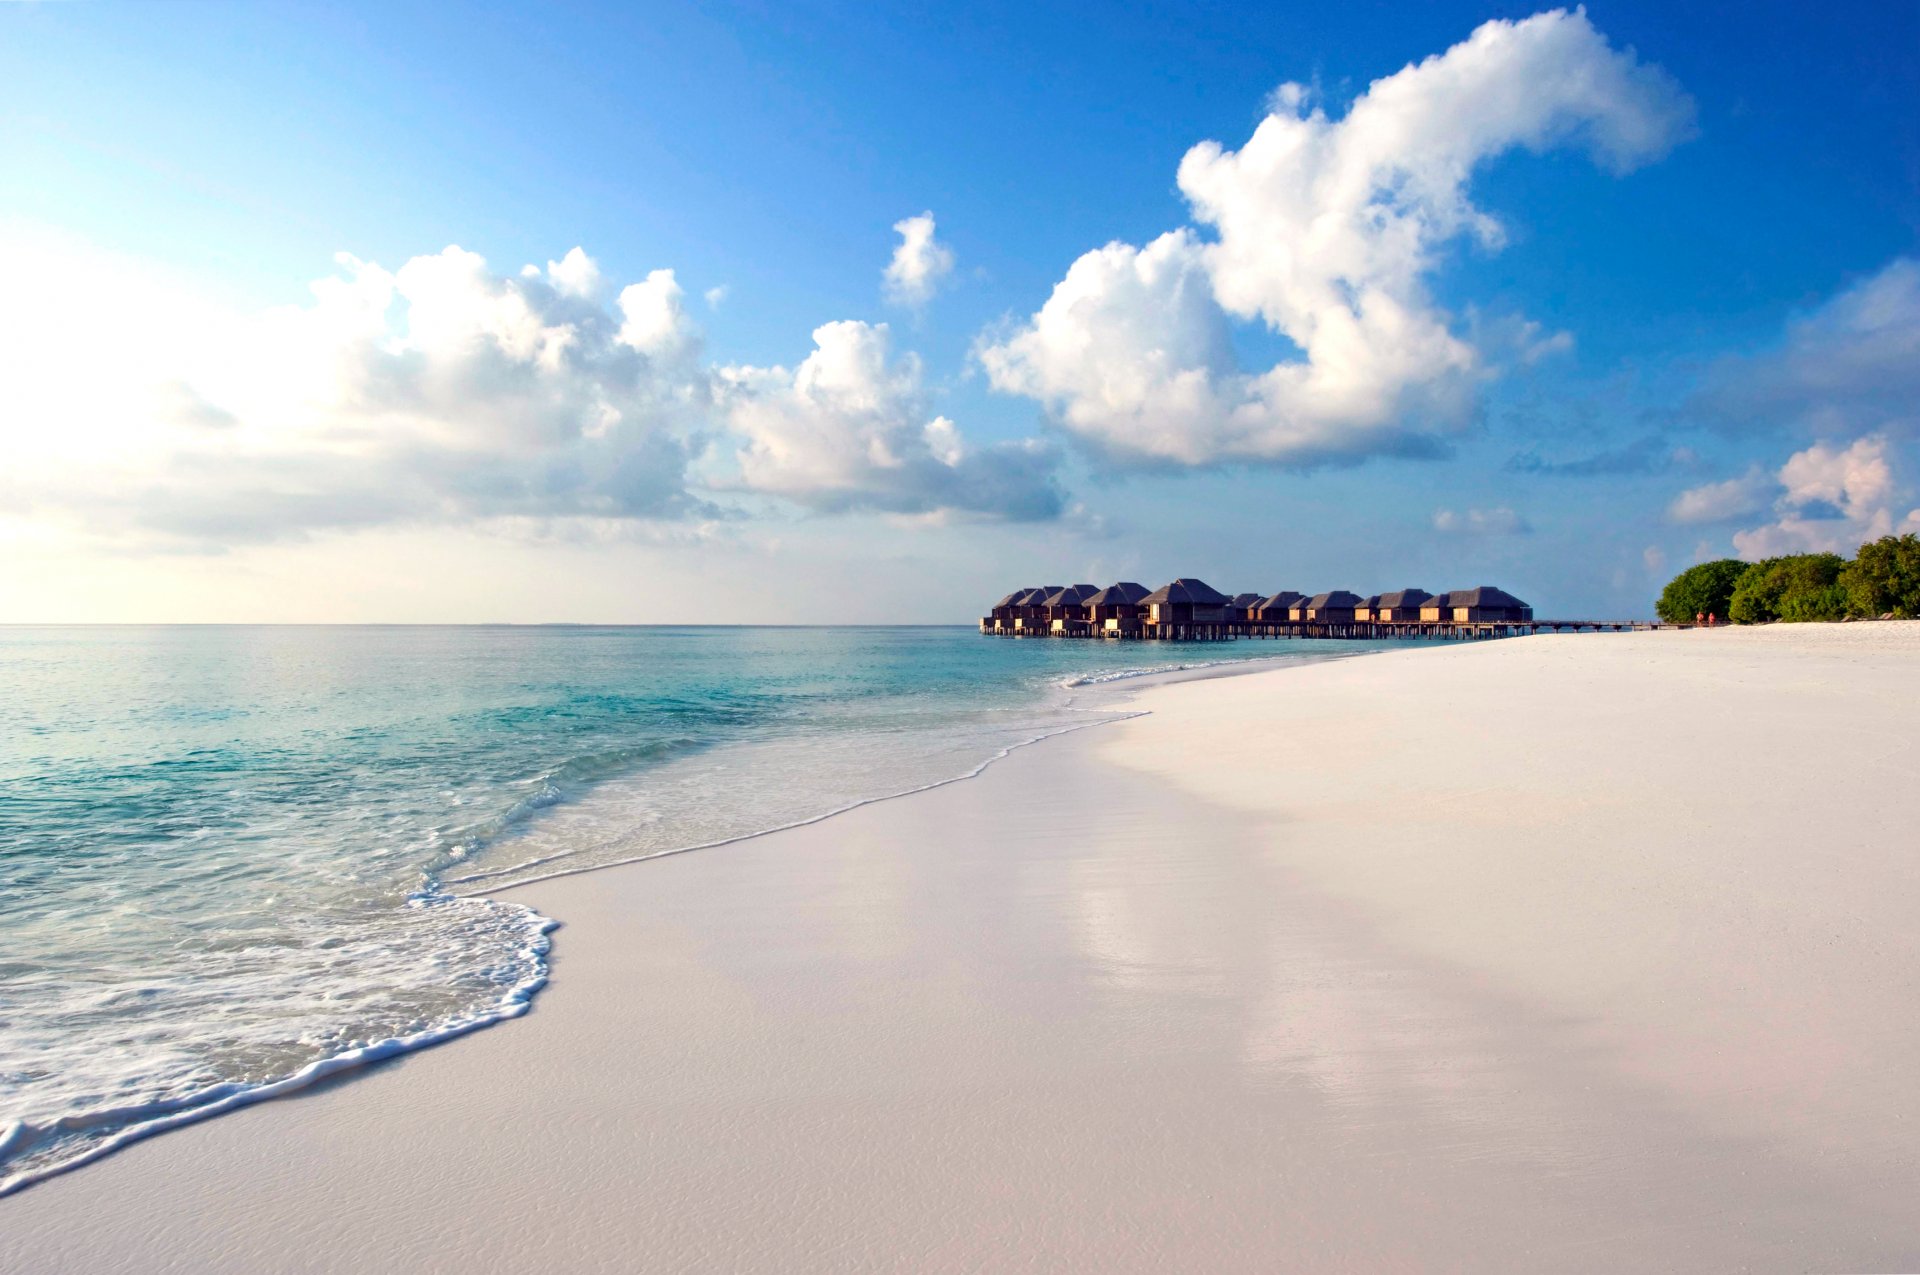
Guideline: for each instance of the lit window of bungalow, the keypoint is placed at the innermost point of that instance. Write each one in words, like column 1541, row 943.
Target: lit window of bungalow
column 1067, row 610
column 1186, row 602
column 1487, row 604
column 1336, row 607
column 1116, row 608
column 1400, row 608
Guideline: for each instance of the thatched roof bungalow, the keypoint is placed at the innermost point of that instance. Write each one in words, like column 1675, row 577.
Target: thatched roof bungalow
column 1274, row 608
column 1365, row 611
column 1336, row 607
column 1066, row 609
column 1116, row 608
column 1030, row 610
column 1003, row 611
column 1186, row 602
column 1402, row 607
column 1439, row 607
column 1487, row 604
column 1240, row 609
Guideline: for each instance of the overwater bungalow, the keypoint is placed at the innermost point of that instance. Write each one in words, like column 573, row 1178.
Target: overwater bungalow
column 1116, row 610
column 1190, row 610
column 1487, row 605
column 1335, row 607
column 1030, row 612
column 1002, row 613
column 1066, row 609
column 1186, row 609
column 1275, row 608
column 1402, row 607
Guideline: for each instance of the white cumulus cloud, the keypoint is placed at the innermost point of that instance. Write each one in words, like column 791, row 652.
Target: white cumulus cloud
column 575, row 274
column 1831, row 499
column 1131, row 351
column 1738, row 497
column 1852, row 478
column 1325, row 231
column 444, row 391
column 849, row 429
column 920, row 262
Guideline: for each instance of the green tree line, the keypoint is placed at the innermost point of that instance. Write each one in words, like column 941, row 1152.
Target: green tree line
column 1882, row 579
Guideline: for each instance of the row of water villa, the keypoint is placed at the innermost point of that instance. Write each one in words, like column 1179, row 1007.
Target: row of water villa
column 1190, row 610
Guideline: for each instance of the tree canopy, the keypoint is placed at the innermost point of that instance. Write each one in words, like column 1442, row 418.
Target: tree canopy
column 1883, row 579
column 1798, row 587
column 1705, row 589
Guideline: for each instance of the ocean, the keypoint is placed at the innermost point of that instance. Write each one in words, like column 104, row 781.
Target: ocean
column 236, row 859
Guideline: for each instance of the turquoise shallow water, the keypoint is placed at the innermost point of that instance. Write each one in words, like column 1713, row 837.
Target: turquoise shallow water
column 232, row 859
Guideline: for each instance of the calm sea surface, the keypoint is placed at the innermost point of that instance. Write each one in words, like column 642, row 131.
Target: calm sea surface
column 232, row 859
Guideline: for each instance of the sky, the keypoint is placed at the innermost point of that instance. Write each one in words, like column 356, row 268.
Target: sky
column 820, row 313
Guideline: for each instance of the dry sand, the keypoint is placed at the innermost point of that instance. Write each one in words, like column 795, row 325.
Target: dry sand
column 1589, row 953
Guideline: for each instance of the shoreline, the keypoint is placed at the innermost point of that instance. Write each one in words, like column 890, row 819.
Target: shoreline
column 1024, row 982
column 224, row 1098
column 1118, row 712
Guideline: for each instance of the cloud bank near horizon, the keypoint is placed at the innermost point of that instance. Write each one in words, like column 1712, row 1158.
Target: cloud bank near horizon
column 446, row 391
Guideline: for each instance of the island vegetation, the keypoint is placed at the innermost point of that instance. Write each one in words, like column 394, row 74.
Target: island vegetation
column 1882, row 581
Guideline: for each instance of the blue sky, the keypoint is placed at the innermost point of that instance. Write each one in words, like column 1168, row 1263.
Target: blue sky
column 1668, row 314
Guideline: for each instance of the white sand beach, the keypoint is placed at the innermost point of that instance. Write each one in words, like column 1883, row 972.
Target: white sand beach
column 1558, row 953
